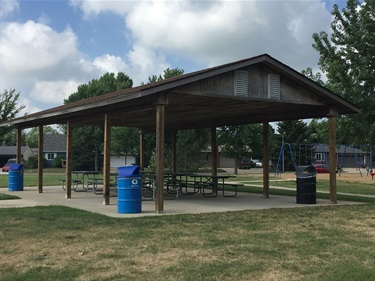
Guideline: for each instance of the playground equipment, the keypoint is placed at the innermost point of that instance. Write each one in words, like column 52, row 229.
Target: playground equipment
column 359, row 157
column 281, row 158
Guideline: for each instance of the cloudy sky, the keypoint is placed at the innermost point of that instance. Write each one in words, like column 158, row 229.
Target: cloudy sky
column 48, row 48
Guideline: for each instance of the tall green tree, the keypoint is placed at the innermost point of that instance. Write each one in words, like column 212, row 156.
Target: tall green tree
column 9, row 109
column 243, row 141
column 295, row 134
column 190, row 145
column 88, row 140
column 347, row 57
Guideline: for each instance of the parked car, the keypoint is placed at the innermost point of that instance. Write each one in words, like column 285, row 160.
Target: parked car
column 5, row 168
column 257, row 163
column 246, row 164
column 321, row 168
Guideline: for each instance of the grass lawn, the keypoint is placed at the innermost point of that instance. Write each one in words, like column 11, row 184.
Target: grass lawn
column 59, row 243
column 319, row 243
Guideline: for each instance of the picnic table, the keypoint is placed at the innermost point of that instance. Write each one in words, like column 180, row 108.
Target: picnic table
column 189, row 184
column 213, row 183
column 88, row 180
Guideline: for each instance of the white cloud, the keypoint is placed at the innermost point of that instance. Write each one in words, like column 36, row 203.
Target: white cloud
column 51, row 92
column 34, row 46
column 109, row 63
column 215, row 32
column 44, row 65
column 7, row 7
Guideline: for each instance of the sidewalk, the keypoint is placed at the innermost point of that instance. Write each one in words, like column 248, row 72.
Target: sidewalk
column 184, row 204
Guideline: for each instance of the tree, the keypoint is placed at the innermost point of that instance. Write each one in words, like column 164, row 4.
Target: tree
column 243, row 141
column 33, row 135
column 88, row 140
column 295, row 133
column 315, row 77
column 347, row 57
column 125, row 141
column 8, row 109
column 168, row 73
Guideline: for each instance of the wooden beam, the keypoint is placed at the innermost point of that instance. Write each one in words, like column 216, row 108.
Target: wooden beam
column 174, row 149
column 69, row 138
column 159, row 200
column 19, row 145
column 266, row 174
column 40, row 158
column 214, row 152
column 332, row 159
column 107, row 159
column 141, row 150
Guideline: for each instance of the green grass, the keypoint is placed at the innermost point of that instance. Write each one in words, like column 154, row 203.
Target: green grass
column 59, row 243
column 32, row 179
column 8, row 197
column 355, row 187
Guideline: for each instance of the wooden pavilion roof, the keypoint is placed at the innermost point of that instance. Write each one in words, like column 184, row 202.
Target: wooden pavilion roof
column 202, row 99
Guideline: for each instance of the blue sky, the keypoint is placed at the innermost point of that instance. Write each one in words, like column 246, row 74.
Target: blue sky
column 48, row 48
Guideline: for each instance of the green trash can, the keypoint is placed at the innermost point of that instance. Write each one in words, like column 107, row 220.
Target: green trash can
column 15, row 177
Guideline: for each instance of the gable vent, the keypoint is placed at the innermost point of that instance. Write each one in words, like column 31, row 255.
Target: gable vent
column 241, row 81
column 273, row 86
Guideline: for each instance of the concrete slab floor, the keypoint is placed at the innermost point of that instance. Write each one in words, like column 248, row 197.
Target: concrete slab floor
column 184, row 204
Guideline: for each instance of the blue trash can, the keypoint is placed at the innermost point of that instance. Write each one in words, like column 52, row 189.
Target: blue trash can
column 15, row 177
column 129, row 190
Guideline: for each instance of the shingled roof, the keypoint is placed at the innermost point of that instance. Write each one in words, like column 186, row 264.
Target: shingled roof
column 54, row 143
column 205, row 98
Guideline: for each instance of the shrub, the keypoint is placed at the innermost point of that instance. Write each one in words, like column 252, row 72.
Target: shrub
column 32, row 162
column 57, row 161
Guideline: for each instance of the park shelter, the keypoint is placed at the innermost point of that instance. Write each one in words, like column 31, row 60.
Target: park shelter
column 260, row 89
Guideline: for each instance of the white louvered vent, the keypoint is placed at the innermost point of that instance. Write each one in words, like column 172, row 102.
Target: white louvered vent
column 241, row 81
column 273, row 86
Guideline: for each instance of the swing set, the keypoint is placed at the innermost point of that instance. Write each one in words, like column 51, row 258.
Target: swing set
column 342, row 151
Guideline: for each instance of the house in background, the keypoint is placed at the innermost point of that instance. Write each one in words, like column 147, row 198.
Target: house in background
column 223, row 162
column 54, row 145
column 347, row 156
column 7, row 152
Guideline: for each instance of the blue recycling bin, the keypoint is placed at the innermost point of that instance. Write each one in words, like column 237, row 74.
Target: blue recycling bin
column 129, row 190
column 15, row 177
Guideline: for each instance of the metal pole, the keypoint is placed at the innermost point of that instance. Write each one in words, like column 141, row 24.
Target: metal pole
column 282, row 140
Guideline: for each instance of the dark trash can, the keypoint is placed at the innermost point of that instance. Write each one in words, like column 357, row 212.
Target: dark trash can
column 129, row 190
column 15, row 177
column 306, row 184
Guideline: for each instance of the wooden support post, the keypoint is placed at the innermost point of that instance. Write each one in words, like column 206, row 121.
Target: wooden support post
column 266, row 174
column 40, row 158
column 19, row 145
column 160, row 111
column 69, row 138
column 174, row 148
column 107, row 159
column 214, row 157
column 332, row 159
column 141, row 150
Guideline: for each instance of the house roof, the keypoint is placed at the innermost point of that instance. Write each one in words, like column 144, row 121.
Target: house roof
column 54, row 143
column 202, row 99
column 340, row 149
column 11, row 150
